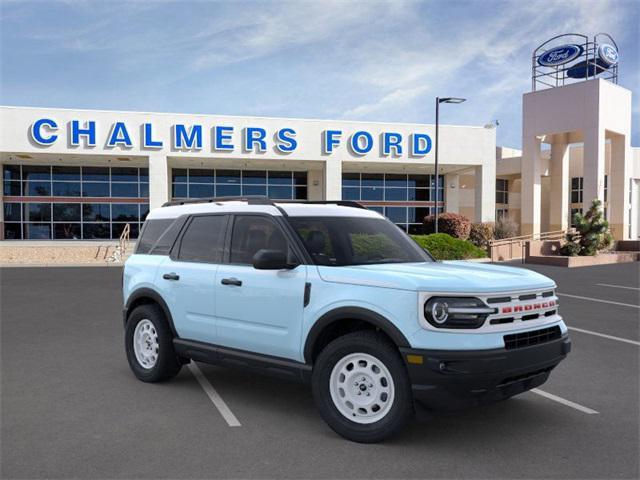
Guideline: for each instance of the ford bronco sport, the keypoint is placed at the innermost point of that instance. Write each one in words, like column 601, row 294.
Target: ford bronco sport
column 336, row 295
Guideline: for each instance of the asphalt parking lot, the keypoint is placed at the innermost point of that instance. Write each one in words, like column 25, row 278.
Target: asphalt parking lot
column 72, row 409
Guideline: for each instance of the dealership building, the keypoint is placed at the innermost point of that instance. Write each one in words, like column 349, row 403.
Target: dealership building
column 85, row 174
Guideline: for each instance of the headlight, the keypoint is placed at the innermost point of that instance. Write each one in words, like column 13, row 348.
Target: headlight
column 456, row 312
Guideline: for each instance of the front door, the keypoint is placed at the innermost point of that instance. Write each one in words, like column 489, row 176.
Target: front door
column 188, row 277
column 259, row 310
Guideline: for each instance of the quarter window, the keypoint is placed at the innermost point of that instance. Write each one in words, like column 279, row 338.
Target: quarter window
column 152, row 231
column 203, row 240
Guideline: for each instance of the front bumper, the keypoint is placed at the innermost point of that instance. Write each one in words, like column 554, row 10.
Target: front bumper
column 453, row 379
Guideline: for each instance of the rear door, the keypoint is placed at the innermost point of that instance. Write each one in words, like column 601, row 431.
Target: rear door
column 259, row 310
column 188, row 277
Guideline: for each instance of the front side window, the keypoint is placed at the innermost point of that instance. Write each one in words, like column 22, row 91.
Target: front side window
column 252, row 233
column 203, row 240
column 343, row 241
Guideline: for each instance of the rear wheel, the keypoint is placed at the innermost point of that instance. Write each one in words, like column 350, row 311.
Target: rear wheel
column 149, row 345
column 361, row 387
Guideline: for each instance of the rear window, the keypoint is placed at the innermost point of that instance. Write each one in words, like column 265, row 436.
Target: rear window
column 151, row 232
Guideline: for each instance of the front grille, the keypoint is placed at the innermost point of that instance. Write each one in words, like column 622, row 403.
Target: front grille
column 534, row 337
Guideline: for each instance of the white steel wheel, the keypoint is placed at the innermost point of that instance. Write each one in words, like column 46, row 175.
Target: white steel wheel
column 145, row 344
column 362, row 388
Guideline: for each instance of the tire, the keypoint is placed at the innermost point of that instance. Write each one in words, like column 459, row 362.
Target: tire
column 337, row 378
column 154, row 360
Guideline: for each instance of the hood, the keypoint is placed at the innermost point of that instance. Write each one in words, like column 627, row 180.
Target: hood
column 449, row 276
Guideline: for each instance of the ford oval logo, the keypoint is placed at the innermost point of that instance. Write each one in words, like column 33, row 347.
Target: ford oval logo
column 608, row 54
column 560, row 55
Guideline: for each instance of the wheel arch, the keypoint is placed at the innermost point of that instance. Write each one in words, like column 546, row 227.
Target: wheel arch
column 329, row 325
column 144, row 296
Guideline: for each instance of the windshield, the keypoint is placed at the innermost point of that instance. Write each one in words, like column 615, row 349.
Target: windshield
column 340, row 241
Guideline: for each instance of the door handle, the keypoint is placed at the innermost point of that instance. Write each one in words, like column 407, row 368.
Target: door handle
column 231, row 281
column 171, row 276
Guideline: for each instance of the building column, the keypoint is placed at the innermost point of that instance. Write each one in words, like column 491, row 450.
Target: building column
column 158, row 180
column 451, row 193
column 593, row 164
column 559, row 194
column 315, row 189
column 333, row 179
column 485, row 192
column 618, row 188
column 531, row 186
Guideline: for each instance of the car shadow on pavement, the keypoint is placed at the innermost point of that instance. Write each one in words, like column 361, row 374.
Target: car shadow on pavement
column 269, row 401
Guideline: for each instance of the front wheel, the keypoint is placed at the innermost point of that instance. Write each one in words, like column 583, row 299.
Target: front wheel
column 361, row 387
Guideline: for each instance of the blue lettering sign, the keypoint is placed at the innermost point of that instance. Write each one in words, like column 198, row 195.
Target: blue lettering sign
column 286, row 140
column 119, row 136
column 147, row 137
column 391, row 140
column 89, row 131
column 37, row 134
column 186, row 139
column 420, row 144
column 359, row 147
column 255, row 136
column 331, row 139
column 222, row 136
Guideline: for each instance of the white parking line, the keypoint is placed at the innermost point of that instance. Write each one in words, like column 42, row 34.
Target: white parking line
column 603, row 335
column 564, row 401
column 616, row 286
column 598, row 300
column 214, row 396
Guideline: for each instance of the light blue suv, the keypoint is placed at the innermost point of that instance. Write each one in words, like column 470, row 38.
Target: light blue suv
column 336, row 295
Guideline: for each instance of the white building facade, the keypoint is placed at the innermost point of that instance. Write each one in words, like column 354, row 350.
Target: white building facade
column 84, row 174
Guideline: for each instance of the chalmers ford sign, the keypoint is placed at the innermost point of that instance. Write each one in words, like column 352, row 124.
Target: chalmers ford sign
column 221, row 138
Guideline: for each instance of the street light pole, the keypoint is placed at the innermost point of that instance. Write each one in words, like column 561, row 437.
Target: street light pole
column 436, row 162
column 438, row 102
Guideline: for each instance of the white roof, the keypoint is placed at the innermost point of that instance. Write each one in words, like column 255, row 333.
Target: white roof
column 292, row 209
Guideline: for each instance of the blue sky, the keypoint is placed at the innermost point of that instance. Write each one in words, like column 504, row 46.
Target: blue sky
column 369, row 60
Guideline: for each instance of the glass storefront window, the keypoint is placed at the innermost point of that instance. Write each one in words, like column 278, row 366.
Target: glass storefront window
column 66, row 173
column 59, row 218
column 66, row 212
column 199, row 183
column 66, row 189
column 399, row 189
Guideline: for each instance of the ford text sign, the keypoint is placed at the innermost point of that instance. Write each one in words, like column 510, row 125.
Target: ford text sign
column 560, row 55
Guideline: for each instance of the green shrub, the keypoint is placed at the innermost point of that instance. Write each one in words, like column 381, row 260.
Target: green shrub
column 481, row 234
column 445, row 247
column 453, row 224
column 592, row 233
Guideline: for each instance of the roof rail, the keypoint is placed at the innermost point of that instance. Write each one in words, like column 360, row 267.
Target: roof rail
column 262, row 200
column 341, row 203
column 250, row 199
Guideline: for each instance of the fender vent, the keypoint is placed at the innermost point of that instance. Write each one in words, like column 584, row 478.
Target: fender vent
column 534, row 337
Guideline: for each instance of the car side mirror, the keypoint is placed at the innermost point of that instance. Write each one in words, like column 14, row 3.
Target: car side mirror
column 271, row 260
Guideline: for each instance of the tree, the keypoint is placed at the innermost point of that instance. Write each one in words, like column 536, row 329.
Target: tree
column 591, row 235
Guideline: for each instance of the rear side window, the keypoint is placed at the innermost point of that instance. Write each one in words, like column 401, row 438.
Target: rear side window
column 203, row 240
column 151, row 232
